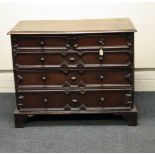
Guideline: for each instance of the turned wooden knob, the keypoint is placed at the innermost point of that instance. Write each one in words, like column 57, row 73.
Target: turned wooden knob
column 101, row 41
column 102, row 99
column 101, row 77
column 42, row 59
column 42, row 43
column 101, row 58
column 45, row 100
column 44, row 78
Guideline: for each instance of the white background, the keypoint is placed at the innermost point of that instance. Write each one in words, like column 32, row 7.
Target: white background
column 142, row 15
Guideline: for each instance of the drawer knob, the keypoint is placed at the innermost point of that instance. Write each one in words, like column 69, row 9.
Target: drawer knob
column 42, row 43
column 74, row 100
column 102, row 99
column 101, row 41
column 101, row 58
column 42, row 59
column 72, row 59
column 45, row 100
column 44, row 78
column 73, row 78
column 101, row 77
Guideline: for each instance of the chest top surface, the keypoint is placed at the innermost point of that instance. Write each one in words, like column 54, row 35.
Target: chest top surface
column 73, row 26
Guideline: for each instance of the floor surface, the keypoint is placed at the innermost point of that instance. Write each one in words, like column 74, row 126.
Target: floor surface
column 107, row 135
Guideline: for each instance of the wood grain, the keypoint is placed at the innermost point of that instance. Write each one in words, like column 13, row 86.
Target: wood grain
column 73, row 26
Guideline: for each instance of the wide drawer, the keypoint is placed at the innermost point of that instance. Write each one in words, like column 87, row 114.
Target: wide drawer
column 91, row 100
column 42, row 78
column 110, row 58
column 72, row 41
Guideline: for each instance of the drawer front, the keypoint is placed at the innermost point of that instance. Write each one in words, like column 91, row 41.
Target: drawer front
column 110, row 99
column 104, row 40
column 72, row 41
column 42, row 59
column 38, row 41
column 117, row 77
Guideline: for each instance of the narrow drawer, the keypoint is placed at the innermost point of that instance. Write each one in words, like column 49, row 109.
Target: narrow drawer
column 115, row 40
column 29, row 41
column 91, row 100
column 107, row 77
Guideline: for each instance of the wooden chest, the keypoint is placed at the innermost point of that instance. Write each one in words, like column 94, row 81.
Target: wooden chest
column 74, row 67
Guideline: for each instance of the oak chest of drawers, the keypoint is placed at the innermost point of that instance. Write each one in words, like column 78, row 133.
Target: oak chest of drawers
column 74, row 67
